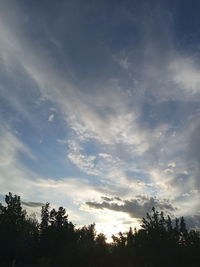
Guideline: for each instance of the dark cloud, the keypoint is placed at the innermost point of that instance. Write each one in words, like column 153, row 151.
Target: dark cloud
column 24, row 203
column 110, row 198
column 107, row 198
column 136, row 208
column 117, row 198
column 32, row 204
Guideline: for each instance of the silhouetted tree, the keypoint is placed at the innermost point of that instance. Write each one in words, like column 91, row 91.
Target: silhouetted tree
column 54, row 242
column 45, row 214
column 19, row 234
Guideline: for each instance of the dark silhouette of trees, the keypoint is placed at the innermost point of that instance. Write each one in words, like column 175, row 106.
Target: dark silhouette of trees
column 18, row 233
column 55, row 241
column 57, row 237
column 45, row 214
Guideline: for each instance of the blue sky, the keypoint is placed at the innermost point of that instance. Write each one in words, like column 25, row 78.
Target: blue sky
column 100, row 105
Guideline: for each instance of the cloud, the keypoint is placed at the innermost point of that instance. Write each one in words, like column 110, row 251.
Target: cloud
column 34, row 189
column 193, row 154
column 82, row 161
column 172, row 165
column 51, row 117
column 32, row 204
column 107, row 198
column 193, row 222
column 127, row 115
column 186, row 74
column 136, row 208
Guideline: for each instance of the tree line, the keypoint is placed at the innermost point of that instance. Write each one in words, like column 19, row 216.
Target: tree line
column 56, row 242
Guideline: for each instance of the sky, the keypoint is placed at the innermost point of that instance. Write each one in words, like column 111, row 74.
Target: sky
column 100, row 108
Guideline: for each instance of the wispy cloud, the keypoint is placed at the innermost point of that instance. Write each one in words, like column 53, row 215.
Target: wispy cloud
column 51, row 117
column 128, row 117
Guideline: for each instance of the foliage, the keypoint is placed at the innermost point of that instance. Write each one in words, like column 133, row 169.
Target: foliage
column 55, row 241
column 19, row 233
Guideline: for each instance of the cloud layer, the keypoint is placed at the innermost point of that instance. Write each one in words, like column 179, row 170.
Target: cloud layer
column 136, row 208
